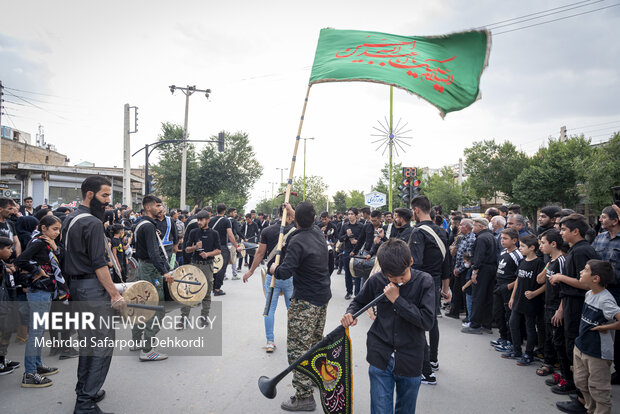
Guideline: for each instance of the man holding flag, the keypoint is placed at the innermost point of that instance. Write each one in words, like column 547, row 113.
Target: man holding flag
column 396, row 339
column 305, row 259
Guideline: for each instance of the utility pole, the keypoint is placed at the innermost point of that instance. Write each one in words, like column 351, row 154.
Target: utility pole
column 460, row 180
column 127, row 199
column 189, row 90
column 272, row 183
column 304, row 193
column 282, row 173
column 562, row 133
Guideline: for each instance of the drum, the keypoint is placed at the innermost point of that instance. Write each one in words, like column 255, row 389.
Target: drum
column 218, row 263
column 263, row 275
column 250, row 248
column 141, row 292
column 234, row 253
column 185, row 293
column 338, row 246
column 360, row 267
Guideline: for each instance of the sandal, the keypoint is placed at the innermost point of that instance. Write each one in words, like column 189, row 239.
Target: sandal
column 545, row 370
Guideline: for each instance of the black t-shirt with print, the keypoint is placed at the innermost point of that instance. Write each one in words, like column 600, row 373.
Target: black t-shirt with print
column 528, row 270
column 552, row 293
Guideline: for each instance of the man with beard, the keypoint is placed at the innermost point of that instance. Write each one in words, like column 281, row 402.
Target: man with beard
column 91, row 284
column 151, row 266
column 7, row 227
column 27, row 209
column 331, row 237
column 249, row 233
column 223, row 227
column 204, row 243
column 349, row 235
column 389, row 224
column 429, row 245
column 484, row 267
column 402, row 220
column 546, row 218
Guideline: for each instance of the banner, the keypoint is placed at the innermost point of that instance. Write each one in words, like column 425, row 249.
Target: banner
column 443, row 70
column 329, row 367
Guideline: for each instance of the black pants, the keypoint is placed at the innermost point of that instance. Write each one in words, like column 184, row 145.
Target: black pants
column 482, row 298
column 350, row 281
column 559, row 344
column 94, row 362
column 218, row 279
column 572, row 307
column 458, row 297
column 431, row 348
column 516, row 319
column 551, row 356
column 501, row 311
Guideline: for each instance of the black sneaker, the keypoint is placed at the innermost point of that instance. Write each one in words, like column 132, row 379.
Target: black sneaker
column 4, row 370
column 498, row 341
column 511, row 355
column 69, row 353
column 429, row 379
column 525, row 360
column 347, row 296
column 435, row 365
column 554, row 380
column 11, row 364
column 45, row 370
column 32, row 380
column 203, row 322
column 563, row 388
column 218, row 293
column 570, row 407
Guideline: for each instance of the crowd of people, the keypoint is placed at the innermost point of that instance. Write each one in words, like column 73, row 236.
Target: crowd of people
column 554, row 286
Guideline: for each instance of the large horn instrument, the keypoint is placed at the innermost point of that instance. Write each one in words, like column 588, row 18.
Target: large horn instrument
column 267, row 385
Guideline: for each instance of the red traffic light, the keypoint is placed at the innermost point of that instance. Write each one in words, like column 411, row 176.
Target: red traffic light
column 406, row 182
column 416, row 183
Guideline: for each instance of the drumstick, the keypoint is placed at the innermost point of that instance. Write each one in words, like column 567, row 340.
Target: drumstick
column 188, row 282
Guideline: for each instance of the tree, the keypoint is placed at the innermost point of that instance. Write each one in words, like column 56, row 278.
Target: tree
column 315, row 191
column 212, row 177
column 603, row 173
column 340, row 201
column 443, row 189
column 493, row 167
column 356, row 199
column 167, row 171
column 554, row 174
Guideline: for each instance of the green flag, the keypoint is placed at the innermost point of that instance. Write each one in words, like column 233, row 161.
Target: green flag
column 443, row 70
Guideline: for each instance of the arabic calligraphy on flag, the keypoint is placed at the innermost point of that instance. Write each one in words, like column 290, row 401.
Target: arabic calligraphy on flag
column 443, row 70
column 329, row 367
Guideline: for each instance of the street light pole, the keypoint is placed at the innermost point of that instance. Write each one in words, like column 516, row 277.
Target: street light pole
column 304, row 193
column 281, row 173
column 189, row 90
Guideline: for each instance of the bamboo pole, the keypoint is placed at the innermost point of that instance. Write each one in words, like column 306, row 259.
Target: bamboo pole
column 286, row 200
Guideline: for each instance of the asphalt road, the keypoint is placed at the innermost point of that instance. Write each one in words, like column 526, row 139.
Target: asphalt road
column 472, row 377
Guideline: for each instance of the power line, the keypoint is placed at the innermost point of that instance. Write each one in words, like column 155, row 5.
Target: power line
column 532, row 14
column 558, row 19
column 34, row 93
column 35, row 105
column 594, row 125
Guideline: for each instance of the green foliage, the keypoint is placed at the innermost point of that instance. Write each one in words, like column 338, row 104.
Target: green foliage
column 443, row 189
column 603, row 173
column 339, row 201
column 315, row 194
column 493, row 167
column 553, row 175
column 212, row 177
column 356, row 199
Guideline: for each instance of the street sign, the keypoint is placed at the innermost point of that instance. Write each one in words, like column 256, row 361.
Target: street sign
column 375, row 199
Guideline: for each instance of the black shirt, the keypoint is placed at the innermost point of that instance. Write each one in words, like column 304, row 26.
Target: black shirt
column 270, row 237
column 236, row 226
column 508, row 267
column 222, row 225
column 366, row 237
column 210, row 241
column 552, row 293
column 356, row 230
column 7, row 229
column 162, row 227
column 249, row 232
column 190, row 225
column 578, row 256
column 400, row 326
column 147, row 245
column 306, row 259
column 528, row 270
column 425, row 252
column 85, row 245
column 484, row 250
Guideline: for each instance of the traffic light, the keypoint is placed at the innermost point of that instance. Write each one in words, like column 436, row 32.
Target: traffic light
column 220, row 142
column 149, row 185
column 405, row 190
column 415, row 188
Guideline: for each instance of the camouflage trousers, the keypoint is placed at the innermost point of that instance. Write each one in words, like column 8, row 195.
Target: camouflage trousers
column 305, row 329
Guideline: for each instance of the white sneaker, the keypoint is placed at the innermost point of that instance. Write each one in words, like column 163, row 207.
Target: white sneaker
column 466, row 324
column 270, row 347
column 152, row 355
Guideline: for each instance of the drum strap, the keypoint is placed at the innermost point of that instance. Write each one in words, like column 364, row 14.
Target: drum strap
column 440, row 244
column 161, row 246
column 273, row 252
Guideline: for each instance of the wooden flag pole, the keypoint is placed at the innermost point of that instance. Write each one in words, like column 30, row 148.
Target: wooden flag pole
column 286, row 200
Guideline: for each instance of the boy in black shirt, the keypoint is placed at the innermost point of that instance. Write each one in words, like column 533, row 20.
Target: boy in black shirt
column 573, row 229
column 204, row 243
column 505, row 280
column 396, row 339
column 525, row 301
